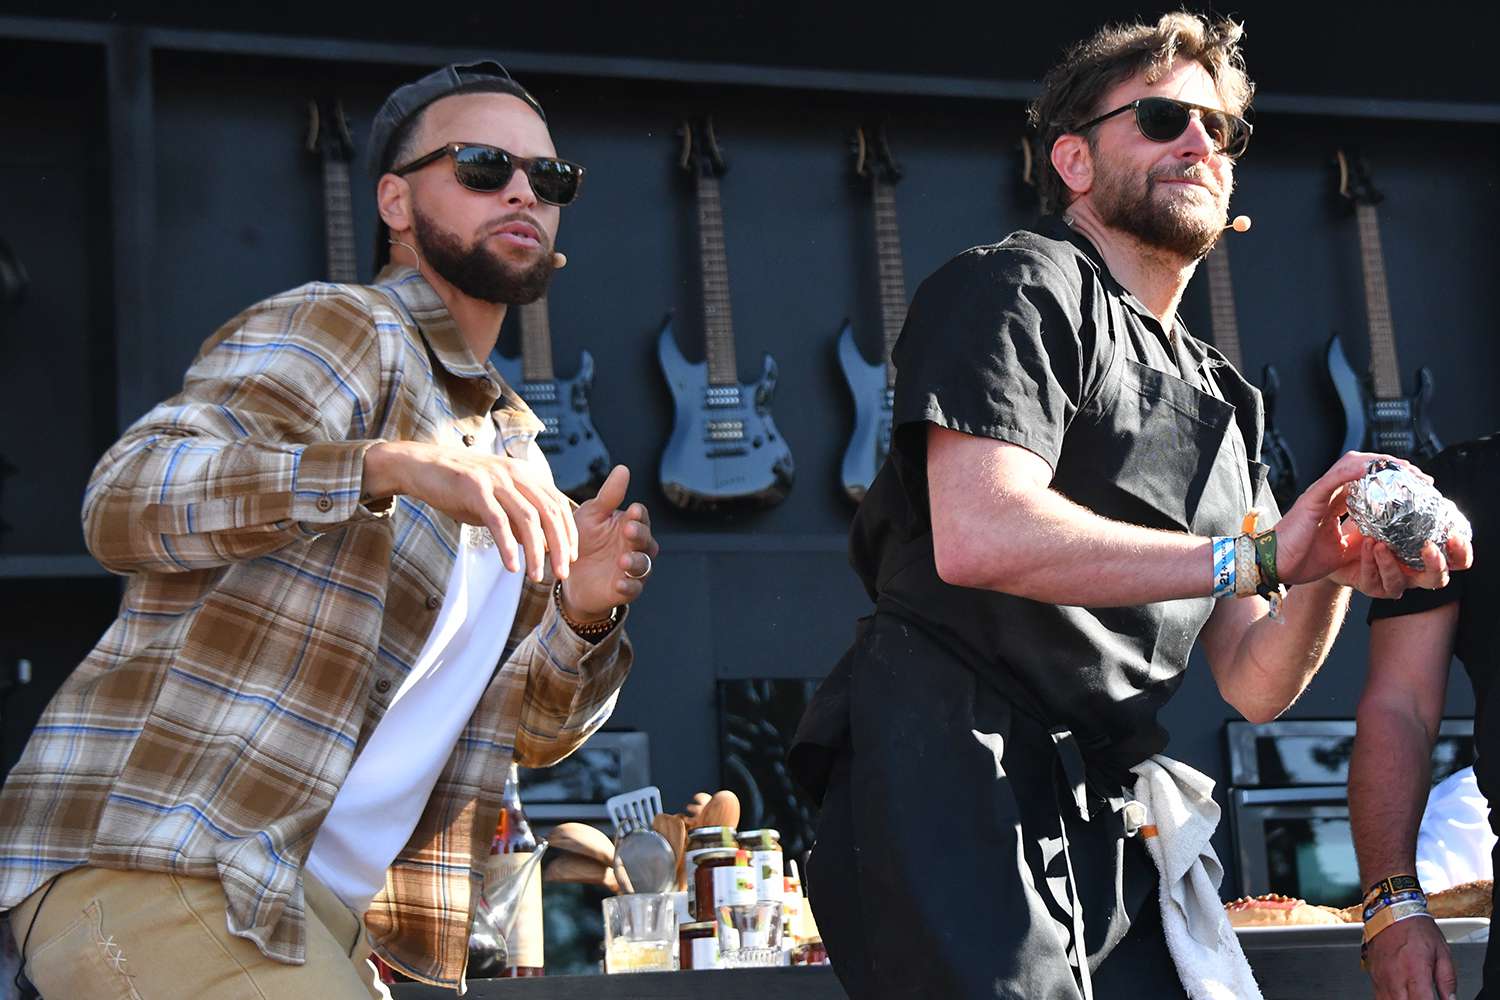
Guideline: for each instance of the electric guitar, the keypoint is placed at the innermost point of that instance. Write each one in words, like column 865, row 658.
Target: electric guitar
column 1377, row 416
column 328, row 138
column 575, row 453
column 873, row 385
column 725, row 450
column 1274, row 451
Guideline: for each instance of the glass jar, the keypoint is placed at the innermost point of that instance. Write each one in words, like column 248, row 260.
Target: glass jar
column 766, row 860
column 700, row 839
column 703, row 863
column 698, row 946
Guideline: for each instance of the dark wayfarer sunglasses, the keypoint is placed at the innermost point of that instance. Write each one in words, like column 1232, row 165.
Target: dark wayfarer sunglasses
column 488, row 168
column 1162, row 119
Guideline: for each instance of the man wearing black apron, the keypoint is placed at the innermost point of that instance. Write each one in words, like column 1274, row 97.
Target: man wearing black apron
column 1068, row 478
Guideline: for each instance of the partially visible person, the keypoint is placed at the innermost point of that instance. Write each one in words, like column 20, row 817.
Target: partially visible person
column 1064, row 500
column 353, row 597
column 1454, row 841
column 1412, row 642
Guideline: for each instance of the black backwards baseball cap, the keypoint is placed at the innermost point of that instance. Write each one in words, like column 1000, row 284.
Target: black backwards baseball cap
column 405, row 102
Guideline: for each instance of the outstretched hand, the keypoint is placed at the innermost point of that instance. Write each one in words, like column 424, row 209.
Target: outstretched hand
column 1316, row 541
column 615, row 552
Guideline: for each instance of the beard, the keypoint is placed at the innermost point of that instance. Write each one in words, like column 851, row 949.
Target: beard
column 479, row 272
column 1182, row 227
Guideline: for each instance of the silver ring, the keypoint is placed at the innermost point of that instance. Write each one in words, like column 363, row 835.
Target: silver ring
column 645, row 574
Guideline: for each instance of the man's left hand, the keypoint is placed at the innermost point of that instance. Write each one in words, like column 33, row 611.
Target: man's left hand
column 1316, row 544
column 615, row 552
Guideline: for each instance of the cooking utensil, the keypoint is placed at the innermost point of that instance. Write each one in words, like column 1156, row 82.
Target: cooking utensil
column 722, row 809
column 584, row 840
column 574, row 868
column 674, row 829
column 634, row 810
column 648, row 860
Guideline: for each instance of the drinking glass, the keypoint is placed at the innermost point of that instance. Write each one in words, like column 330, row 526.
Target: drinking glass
column 749, row 934
column 640, row 932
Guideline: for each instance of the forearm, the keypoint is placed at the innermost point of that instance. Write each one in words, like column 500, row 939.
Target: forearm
column 571, row 685
column 1389, row 775
column 1275, row 661
column 175, row 502
column 1042, row 546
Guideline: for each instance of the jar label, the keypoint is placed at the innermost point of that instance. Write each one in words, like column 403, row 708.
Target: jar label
column 770, row 879
column 705, row 953
column 734, row 885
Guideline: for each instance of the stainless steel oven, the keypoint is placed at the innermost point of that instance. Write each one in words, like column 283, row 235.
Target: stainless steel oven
column 1289, row 809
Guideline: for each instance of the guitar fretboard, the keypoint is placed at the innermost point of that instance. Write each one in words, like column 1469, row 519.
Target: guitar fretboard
column 536, row 342
column 892, row 273
column 338, row 220
column 718, row 326
column 1221, row 306
column 1385, row 371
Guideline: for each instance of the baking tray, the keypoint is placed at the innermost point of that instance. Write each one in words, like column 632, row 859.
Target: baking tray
column 1455, row 930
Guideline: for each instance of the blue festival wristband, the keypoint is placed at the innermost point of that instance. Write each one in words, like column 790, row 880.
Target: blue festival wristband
column 1223, row 566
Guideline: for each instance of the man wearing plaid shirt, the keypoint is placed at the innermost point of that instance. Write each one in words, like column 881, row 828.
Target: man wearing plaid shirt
column 289, row 525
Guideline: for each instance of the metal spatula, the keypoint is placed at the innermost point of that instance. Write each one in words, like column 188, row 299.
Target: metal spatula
column 634, row 810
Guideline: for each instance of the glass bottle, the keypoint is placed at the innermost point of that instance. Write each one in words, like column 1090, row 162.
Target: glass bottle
column 511, row 855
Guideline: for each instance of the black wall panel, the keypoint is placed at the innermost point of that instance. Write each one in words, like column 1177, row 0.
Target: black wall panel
column 768, row 594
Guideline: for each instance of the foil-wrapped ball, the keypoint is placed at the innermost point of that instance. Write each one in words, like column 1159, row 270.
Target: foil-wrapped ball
column 1392, row 504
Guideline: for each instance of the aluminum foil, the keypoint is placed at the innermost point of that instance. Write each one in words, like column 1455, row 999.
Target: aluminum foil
column 1395, row 506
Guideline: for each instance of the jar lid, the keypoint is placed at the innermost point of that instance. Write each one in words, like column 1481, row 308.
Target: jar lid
column 708, row 831
column 760, row 834
column 703, row 854
column 696, row 925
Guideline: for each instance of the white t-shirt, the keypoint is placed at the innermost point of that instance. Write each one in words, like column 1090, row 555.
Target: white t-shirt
column 378, row 806
column 1455, row 840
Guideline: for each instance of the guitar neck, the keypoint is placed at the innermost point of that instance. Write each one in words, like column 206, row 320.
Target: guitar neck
column 536, row 342
column 718, row 325
column 1221, row 306
column 892, row 273
column 338, row 220
column 1385, row 370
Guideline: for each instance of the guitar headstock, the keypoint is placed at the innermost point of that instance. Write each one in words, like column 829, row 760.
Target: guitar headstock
column 328, row 129
column 700, row 148
column 872, row 155
column 1355, row 183
column 1028, row 160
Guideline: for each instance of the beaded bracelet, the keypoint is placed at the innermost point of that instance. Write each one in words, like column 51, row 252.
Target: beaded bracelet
column 592, row 631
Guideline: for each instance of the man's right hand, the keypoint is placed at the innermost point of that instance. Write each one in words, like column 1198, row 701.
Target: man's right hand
column 514, row 498
column 1410, row 961
column 1315, row 542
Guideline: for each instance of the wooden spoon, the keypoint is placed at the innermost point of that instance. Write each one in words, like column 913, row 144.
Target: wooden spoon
column 573, row 868
column 674, row 829
column 693, row 807
column 584, row 840
column 723, row 809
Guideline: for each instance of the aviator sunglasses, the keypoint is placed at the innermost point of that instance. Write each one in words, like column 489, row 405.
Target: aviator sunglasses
column 1162, row 119
column 488, row 168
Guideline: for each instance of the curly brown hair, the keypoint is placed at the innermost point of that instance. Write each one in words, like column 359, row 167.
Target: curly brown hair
column 1072, row 90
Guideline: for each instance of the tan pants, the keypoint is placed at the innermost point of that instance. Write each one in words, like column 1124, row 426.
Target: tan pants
column 104, row 934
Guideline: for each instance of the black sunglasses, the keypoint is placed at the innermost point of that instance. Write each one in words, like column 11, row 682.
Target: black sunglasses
column 488, row 168
column 1162, row 119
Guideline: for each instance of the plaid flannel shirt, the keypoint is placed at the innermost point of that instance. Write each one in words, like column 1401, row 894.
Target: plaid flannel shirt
column 269, row 617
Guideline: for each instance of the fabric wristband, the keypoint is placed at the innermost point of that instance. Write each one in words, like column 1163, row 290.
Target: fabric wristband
column 1394, row 913
column 1384, row 901
column 1223, row 566
column 1400, row 882
column 1265, row 558
column 1246, row 576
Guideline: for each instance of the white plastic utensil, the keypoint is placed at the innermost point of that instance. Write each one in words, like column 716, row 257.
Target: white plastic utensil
column 634, row 810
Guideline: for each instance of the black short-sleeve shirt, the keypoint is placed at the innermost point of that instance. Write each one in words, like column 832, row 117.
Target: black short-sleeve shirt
column 1469, row 475
column 1032, row 342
